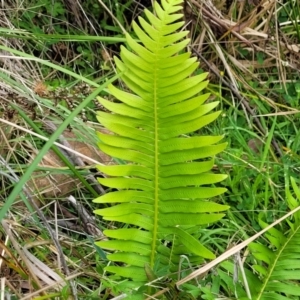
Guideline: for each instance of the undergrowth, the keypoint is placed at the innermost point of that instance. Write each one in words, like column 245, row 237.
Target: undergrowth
column 49, row 53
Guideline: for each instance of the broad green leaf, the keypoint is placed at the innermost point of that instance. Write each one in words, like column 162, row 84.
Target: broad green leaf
column 186, row 94
column 127, row 170
column 126, row 183
column 121, row 120
column 129, row 155
column 183, row 107
column 260, row 269
column 186, row 84
column 135, row 273
column 125, row 109
column 123, row 142
column 261, row 252
column 127, row 246
column 124, row 196
column 129, row 258
column 188, row 143
column 186, row 168
column 132, row 234
column 191, row 206
column 171, row 158
column 175, row 219
column 126, row 208
column 201, row 179
column 136, row 219
column 191, row 193
column 188, row 126
column 193, row 245
column 190, row 116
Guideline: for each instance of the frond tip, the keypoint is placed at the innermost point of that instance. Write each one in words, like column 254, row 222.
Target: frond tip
column 163, row 189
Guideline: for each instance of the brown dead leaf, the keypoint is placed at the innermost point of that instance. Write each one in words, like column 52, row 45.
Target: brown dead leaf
column 255, row 145
column 58, row 185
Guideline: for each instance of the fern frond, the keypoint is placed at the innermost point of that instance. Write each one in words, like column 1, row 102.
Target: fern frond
column 280, row 269
column 163, row 190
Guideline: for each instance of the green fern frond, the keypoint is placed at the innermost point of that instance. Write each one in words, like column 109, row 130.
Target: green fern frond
column 280, row 269
column 164, row 187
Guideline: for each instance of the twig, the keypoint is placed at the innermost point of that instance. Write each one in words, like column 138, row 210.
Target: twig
column 87, row 220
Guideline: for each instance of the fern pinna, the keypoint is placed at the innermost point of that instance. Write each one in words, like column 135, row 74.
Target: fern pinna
column 162, row 190
column 275, row 260
column 278, row 265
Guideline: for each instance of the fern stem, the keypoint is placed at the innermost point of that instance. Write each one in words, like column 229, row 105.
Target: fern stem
column 156, row 170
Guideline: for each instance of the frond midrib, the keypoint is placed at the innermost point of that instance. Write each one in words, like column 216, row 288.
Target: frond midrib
column 277, row 258
column 156, row 160
column 159, row 47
